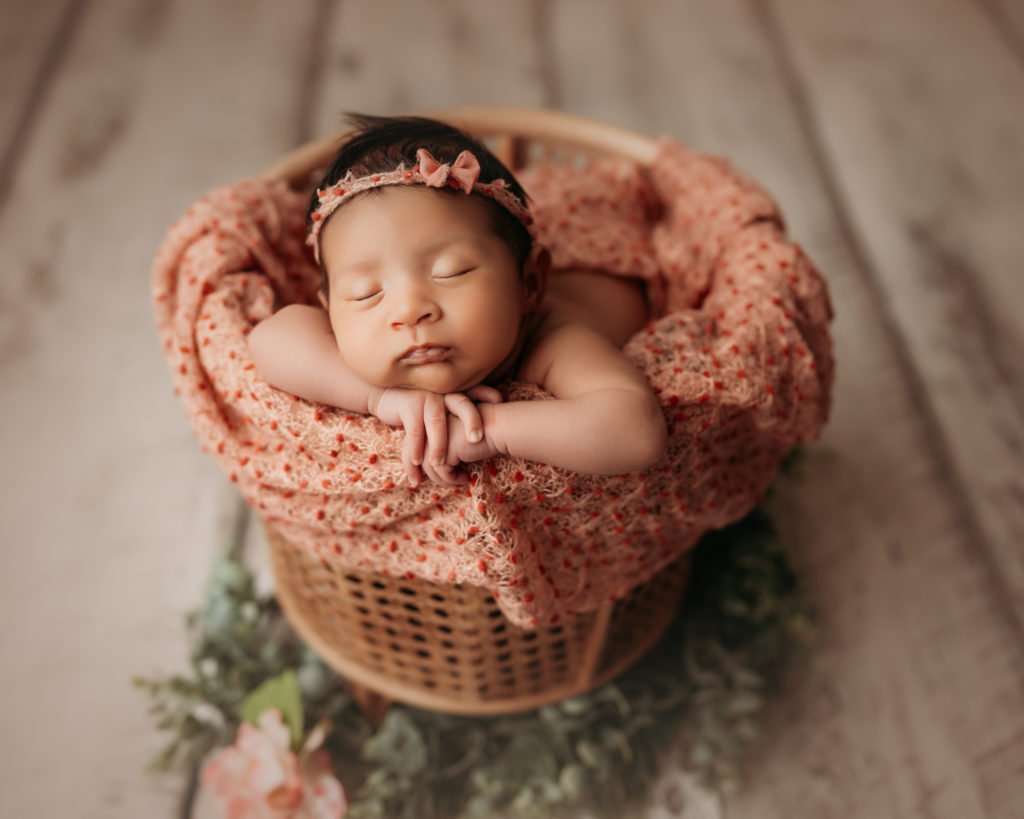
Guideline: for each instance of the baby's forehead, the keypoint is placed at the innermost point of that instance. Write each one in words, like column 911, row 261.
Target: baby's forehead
column 421, row 225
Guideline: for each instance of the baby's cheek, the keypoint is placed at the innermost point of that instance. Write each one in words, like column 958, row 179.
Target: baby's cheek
column 366, row 359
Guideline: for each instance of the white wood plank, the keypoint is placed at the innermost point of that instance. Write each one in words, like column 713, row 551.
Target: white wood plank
column 924, row 119
column 112, row 513
column 440, row 55
column 913, row 702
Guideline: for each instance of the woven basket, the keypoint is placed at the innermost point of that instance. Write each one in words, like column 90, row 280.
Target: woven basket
column 448, row 647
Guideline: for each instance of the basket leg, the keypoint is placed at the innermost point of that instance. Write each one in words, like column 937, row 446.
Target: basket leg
column 373, row 704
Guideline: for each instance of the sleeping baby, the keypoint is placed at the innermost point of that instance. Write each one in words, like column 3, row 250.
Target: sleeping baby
column 434, row 292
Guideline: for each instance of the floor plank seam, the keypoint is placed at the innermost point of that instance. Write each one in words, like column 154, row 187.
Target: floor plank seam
column 311, row 80
column 45, row 77
column 1005, row 30
column 551, row 90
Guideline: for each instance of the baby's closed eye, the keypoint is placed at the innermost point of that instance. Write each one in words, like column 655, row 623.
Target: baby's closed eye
column 376, row 292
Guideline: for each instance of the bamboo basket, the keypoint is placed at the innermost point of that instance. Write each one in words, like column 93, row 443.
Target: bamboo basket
column 448, row 647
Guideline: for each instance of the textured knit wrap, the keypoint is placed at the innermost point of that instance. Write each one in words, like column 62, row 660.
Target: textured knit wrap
column 738, row 350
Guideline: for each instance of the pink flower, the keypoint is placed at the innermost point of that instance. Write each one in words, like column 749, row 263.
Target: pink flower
column 260, row 778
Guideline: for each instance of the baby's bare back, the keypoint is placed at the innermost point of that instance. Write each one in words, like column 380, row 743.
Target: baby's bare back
column 614, row 306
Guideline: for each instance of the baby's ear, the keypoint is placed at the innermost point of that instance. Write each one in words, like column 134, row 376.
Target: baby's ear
column 535, row 274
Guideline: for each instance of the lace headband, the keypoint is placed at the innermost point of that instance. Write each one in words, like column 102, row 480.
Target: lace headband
column 460, row 174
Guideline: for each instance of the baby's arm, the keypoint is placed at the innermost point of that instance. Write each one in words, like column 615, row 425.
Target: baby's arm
column 605, row 420
column 295, row 351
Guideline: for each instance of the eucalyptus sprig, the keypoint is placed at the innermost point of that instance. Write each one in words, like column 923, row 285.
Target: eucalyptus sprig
column 700, row 691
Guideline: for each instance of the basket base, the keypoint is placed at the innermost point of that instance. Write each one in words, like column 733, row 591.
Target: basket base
column 448, row 648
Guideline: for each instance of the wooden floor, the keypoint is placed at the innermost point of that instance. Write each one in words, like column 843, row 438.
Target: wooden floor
column 892, row 133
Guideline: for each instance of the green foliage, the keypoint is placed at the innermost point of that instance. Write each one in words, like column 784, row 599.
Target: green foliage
column 283, row 694
column 703, row 686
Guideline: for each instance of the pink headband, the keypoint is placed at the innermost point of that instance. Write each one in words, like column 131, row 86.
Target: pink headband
column 460, row 174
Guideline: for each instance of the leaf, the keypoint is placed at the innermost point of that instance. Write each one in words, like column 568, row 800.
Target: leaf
column 398, row 744
column 368, row 809
column 611, row 693
column 283, row 694
column 744, row 703
column 528, row 756
column 574, row 706
column 747, row 679
column 614, row 739
column 573, row 780
column 381, row 783
column 480, row 807
column 592, row 754
column 231, row 576
column 525, row 800
column 701, row 754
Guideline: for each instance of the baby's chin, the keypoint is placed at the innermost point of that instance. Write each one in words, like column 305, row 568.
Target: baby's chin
column 440, row 377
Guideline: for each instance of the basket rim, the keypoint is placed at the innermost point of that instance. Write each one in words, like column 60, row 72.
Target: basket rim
column 516, row 123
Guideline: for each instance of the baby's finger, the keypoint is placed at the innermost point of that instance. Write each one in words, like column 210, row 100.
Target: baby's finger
column 440, row 474
column 458, row 404
column 435, row 416
column 415, row 434
column 411, row 470
column 488, row 395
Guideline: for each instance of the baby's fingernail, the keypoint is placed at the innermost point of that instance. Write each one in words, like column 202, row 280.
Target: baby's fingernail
column 474, row 436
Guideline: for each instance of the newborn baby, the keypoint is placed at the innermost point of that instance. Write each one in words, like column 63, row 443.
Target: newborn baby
column 433, row 292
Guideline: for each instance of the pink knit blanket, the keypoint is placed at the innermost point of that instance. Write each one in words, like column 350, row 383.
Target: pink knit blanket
column 739, row 351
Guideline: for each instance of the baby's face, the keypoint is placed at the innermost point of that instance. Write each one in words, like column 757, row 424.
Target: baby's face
column 410, row 266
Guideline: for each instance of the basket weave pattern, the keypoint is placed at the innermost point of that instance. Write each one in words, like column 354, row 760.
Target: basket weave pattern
column 449, row 647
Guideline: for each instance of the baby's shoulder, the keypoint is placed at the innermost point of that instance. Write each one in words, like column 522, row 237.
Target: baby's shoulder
column 570, row 357
column 548, row 341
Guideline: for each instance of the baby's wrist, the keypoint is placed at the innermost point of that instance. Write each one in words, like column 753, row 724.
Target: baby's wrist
column 490, row 417
column 373, row 400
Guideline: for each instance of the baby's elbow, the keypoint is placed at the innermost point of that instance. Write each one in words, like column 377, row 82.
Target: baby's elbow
column 653, row 438
column 261, row 351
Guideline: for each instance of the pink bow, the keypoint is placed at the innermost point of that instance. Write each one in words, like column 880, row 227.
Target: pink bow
column 464, row 170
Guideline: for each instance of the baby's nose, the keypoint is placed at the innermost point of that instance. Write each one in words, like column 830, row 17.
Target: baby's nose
column 414, row 310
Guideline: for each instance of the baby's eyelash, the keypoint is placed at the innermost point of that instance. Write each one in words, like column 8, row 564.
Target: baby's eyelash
column 452, row 276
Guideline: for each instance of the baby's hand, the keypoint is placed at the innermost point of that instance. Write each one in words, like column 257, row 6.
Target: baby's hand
column 462, row 450
column 424, row 415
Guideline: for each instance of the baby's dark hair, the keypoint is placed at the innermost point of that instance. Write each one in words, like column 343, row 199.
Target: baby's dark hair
column 378, row 144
